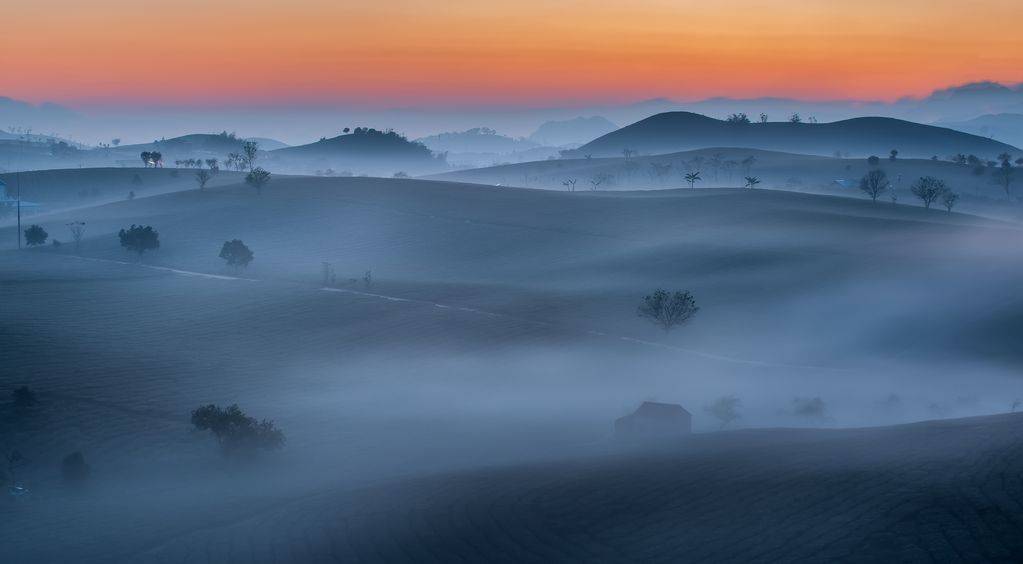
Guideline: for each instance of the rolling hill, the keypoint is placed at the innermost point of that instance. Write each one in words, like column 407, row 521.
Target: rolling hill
column 365, row 150
column 671, row 132
column 1007, row 128
column 978, row 188
column 499, row 329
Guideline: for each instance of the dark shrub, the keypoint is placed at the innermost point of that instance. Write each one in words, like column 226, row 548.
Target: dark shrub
column 236, row 432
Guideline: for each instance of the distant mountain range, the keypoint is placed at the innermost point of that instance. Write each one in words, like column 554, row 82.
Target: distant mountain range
column 671, row 132
column 476, row 140
column 1007, row 128
column 571, row 132
column 955, row 104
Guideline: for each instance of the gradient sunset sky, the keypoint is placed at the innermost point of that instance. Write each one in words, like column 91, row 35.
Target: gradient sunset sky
column 208, row 53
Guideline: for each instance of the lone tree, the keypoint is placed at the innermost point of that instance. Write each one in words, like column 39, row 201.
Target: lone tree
column 725, row 409
column 237, row 433
column 139, row 239
column 569, row 183
column 668, row 310
column 692, row 178
column 893, row 154
column 202, row 176
column 77, row 229
column 751, row 182
column 949, row 200
column 873, row 160
column 257, row 178
column 35, row 235
column 250, row 149
column 146, row 157
column 236, row 253
column 874, row 183
column 928, row 189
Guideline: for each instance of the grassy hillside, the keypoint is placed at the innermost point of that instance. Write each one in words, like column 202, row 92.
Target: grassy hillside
column 62, row 188
column 671, row 132
column 938, row 491
column 499, row 326
column 979, row 189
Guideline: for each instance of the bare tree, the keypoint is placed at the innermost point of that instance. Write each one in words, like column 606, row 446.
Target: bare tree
column 77, row 229
column 668, row 310
column 794, row 118
column 763, row 117
column 928, row 189
column 874, row 183
column 725, row 409
column 599, row 179
column 628, row 154
column 949, row 200
column 569, row 183
column 751, row 182
column 250, row 149
column 692, row 178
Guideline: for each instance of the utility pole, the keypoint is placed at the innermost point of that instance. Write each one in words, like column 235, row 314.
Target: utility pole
column 21, row 149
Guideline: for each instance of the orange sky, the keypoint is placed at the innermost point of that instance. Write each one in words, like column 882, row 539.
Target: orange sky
column 529, row 52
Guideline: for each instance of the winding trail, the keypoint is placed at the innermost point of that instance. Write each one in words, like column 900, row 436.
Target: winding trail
column 474, row 311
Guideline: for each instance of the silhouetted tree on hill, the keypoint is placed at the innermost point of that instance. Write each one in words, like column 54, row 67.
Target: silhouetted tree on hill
column 893, row 154
column 928, row 189
column 738, row 119
column 251, row 150
column 794, row 118
column 668, row 310
column 237, row 433
column 725, row 409
column 146, row 157
column 257, row 178
column 202, row 176
column 236, row 253
column 77, row 229
column 35, row 235
column 692, row 178
column 949, row 200
column 751, row 182
column 569, row 183
column 873, row 160
column 874, row 183
column 139, row 239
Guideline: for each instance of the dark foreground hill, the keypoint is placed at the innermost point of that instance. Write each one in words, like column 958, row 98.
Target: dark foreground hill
column 948, row 491
column 671, row 132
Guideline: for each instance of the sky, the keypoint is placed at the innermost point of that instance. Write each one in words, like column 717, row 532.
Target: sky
column 528, row 53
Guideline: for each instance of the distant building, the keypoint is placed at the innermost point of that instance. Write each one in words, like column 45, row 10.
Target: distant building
column 655, row 420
